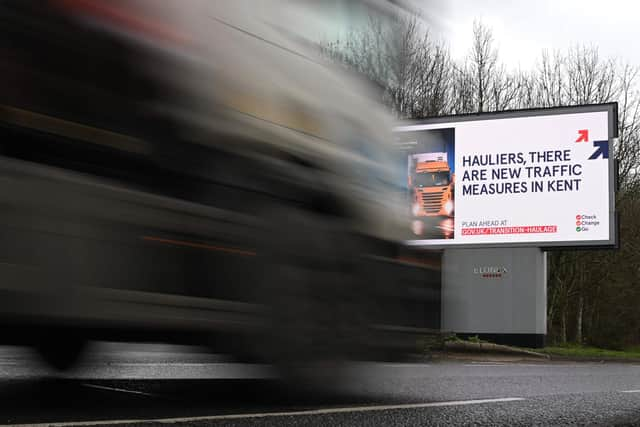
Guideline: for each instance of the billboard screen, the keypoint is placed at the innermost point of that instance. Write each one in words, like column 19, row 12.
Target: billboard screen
column 518, row 178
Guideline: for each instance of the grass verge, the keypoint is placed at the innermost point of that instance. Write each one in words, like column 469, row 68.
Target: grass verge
column 586, row 352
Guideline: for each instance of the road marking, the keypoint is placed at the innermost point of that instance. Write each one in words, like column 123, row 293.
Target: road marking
column 327, row 411
column 629, row 391
column 402, row 365
column 176, row 364
column 121, row 390
column 530, row 365
column 475, row 365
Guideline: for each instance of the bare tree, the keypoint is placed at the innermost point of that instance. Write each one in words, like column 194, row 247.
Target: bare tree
column 550, row 80
column 505, row 89
column 483, row 61
column 463, row 89
column 627, row 149
column 589, row 78
column 481, row 83
column 412, row 69
column 432, row 79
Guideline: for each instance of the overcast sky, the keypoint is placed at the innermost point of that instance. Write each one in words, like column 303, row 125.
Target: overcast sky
column 522, row 28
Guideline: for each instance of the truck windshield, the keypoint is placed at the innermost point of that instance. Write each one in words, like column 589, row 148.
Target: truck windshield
column 432, row 179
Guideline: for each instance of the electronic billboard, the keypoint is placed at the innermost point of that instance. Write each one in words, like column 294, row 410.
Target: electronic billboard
column 543, row 177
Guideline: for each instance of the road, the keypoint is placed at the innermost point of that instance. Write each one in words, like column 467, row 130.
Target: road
column 159, row 383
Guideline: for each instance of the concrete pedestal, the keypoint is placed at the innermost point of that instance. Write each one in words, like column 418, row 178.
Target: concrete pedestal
column 498, row 294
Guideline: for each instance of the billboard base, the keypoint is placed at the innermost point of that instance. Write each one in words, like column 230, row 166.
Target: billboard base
column 518, row 340
column 498, row 294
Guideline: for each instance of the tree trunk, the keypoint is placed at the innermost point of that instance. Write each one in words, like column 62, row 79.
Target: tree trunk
column 563, row 326
column 580, row 308
column 579, row 319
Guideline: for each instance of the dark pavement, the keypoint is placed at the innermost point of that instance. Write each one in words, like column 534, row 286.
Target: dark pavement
column 167, row 383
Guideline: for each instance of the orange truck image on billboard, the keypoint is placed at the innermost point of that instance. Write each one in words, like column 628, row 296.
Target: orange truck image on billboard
column 432, row 187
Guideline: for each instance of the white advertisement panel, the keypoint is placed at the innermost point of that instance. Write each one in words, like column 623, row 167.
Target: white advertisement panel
column 519, row 178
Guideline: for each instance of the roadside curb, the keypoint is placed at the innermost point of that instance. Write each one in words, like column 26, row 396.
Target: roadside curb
column 482, row 347
column 594, row 359
column 458, row 349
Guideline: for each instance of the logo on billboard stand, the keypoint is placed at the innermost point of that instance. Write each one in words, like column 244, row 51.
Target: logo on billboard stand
column 490, row 272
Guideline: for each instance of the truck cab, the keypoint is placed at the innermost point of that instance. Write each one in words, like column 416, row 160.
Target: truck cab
column 431, row 184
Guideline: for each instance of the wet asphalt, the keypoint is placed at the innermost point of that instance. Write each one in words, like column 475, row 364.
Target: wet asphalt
column 158, row 384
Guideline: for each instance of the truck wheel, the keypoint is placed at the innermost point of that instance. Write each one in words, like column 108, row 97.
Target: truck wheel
column 310, row 284
column 61, row 351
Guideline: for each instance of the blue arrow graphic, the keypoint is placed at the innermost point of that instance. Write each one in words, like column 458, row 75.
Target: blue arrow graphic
column 602, row 148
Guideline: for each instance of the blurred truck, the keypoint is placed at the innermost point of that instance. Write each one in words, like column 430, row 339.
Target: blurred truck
column 188, row 171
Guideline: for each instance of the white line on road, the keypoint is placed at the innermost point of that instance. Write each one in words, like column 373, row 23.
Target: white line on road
column 486, row 363
column 176, row 364
column 402, row 365
column 530, row 365
column 477, row 365
column 327, row 411
column 121, row 390
column 629, row 391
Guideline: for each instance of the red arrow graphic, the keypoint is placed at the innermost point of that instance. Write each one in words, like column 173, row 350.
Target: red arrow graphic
column 584, row 135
